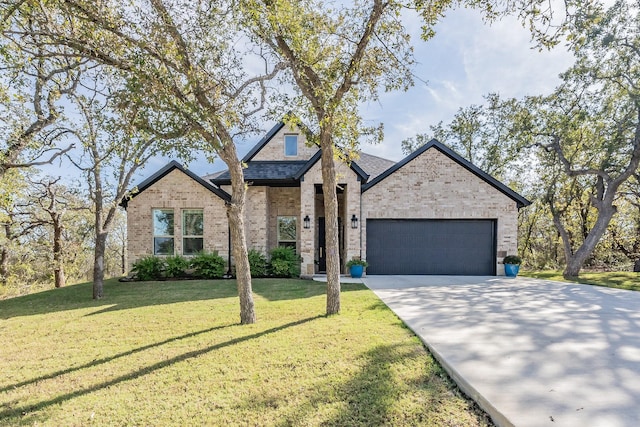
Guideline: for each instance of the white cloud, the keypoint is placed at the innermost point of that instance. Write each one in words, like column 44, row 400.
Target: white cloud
column 464, row 61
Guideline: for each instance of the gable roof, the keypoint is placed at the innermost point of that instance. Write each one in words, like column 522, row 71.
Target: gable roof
column 263, row 142
column 164, row 172
column 362, row 175
column 265, row 172
column 434, row 143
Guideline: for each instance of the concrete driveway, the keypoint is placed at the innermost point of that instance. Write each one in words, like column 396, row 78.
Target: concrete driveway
column 530, row 352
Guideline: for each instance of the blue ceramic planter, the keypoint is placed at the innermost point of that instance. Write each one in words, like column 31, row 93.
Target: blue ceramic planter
column 356, row 271
column 511, row 270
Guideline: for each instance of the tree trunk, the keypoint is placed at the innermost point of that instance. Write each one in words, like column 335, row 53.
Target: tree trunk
column 123, row 257
column 636, row 266
column 564, row 235
column 235, row 215
column 331, row 220
column 98, row 264
column 4, row 263
column 4, row 253
column 58, row 256
column 576, row 260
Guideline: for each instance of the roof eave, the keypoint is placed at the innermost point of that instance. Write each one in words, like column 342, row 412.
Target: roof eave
column 362, row 175
column 256, row 148
column 164, row 171
column 280, row 182
column 434, row 143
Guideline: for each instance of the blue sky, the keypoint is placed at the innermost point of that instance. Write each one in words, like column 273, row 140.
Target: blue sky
column 464, row 61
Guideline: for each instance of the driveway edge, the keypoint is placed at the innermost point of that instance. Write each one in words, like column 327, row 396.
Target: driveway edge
column 498, row 418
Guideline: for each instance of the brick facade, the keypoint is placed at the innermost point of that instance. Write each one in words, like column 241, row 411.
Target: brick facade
column 175, row 191
column 433, row 186
column 274, row 149
column 282, row 201
column 429, row 186
column 311, row 204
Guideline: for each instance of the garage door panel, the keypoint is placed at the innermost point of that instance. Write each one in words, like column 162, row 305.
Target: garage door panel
column 408, row 246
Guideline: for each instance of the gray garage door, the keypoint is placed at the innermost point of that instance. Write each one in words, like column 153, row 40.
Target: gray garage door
column 418, row 246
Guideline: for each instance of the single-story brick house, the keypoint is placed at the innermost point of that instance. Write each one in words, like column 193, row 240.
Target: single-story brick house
column 431, row 213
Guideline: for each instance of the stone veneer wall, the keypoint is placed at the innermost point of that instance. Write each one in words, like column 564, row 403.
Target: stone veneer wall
column 434, row 186
column 175, row 191
column 274, row 150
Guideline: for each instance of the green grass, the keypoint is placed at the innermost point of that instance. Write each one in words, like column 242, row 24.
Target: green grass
column 613, row 279
column 173, row 353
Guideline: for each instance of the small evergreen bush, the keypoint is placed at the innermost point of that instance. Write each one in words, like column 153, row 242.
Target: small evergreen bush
column 149, row 268
column 208, row 265
column 176, row 266
column 258, row 263
column 512, row 259
column 285, row 262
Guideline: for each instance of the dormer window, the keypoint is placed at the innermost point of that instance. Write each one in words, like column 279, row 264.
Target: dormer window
column 291, row 145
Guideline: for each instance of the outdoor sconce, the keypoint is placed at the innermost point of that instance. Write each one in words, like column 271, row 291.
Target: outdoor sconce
column 354, row 221
column 307, row 222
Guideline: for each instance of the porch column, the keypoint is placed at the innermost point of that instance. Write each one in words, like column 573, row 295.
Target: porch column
column 352, row 200
column 307, row 235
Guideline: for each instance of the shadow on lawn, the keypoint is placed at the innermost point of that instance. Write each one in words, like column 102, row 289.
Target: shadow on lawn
column 370, row 397
column 282, row 289
column 117, row 296
column 128, row 295
column 110, row 358
column 27, row 410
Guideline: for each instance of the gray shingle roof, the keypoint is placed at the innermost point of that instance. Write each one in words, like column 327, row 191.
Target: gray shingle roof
column 289, row 171
column 373, row 165
column 262, row 171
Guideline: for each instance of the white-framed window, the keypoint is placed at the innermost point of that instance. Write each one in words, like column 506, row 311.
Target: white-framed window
column 163, row 243
column 291, row 145
column 287, row 231
column 192, row 231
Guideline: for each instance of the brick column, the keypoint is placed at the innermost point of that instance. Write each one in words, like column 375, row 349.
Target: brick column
column 307, row 235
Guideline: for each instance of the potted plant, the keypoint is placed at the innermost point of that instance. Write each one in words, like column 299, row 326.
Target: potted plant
column 356, row 267
column 512, row 265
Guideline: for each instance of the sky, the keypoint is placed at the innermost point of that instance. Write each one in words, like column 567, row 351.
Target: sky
column 464, row 61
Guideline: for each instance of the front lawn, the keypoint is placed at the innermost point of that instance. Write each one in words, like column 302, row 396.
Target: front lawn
column 173, row 353
column 613, row 279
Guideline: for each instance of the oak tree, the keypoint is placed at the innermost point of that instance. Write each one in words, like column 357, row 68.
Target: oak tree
column 187, row 70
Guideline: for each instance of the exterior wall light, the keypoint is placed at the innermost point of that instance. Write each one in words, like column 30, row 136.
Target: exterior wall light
column 307, row 222
column 354, row 221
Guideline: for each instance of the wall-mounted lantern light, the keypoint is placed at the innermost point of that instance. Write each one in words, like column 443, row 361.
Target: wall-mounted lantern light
column 354, row 221
column 307, row 222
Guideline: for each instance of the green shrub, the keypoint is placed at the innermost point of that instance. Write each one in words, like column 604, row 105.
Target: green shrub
column 512, row 259
column 208, row 265
column 357, row 261
column 285, row 262
column 258, row 263
column 149, row 268
column 176, row 266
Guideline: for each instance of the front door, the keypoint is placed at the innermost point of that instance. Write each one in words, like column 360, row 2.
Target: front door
column 322, row 244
